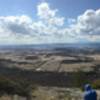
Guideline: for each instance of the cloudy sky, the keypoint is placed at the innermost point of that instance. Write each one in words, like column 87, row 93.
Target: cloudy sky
column 49, row 21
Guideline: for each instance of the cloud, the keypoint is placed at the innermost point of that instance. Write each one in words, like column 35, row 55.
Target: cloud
column 49, row 15
column 15, row 24
column 44, row 11
column 87, row 26
column 50, row 27
column 88, row 23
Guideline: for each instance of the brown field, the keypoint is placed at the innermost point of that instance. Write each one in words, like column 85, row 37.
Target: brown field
column 49, row 62
column 43, row 62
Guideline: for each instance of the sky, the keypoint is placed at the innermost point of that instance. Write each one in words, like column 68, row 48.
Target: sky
column 49, row 21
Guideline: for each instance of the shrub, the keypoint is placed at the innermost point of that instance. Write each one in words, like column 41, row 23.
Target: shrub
column 9, row 86
column 96, row 84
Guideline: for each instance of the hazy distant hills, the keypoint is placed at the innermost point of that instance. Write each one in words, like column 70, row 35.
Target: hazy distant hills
column 52, row 46
column 75, row 48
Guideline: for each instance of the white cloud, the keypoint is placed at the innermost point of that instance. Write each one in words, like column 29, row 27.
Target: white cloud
column 44, row 11
column 15, row 25
column 49, row 28
column 49, row 15
column 88, row 23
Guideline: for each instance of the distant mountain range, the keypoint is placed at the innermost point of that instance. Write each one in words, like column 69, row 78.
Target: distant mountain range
column 52, row 46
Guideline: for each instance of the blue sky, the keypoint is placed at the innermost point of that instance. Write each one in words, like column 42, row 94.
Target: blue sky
column 67, row 8
column 49, row 21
